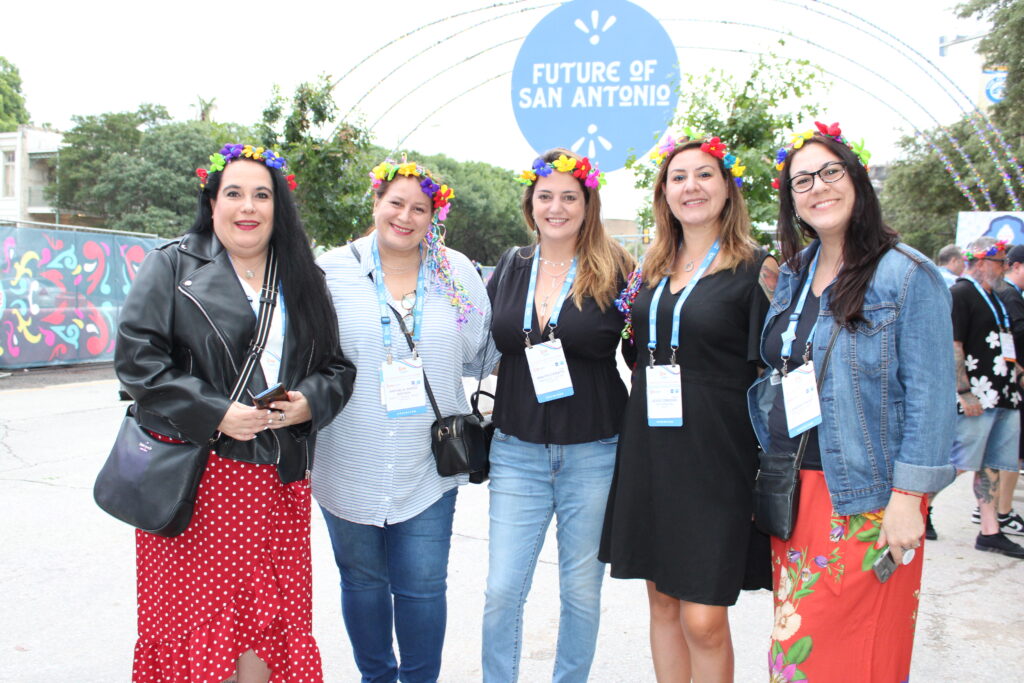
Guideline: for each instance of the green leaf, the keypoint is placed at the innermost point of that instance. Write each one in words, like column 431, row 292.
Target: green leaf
column 869, row 558
column 799, row 651
column 869, row 535
column 798, row 675
column 811, row 580
column 776, row 648
column 802, row 593
column 856, row 522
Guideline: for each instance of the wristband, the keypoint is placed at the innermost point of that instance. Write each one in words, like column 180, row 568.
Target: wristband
column 908, row 493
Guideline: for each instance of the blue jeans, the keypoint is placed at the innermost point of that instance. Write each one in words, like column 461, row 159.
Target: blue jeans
column 395, row 575
column 529, row 483
column 989, row 440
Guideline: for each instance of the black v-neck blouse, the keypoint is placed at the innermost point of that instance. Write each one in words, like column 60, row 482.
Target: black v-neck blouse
column 589, row 338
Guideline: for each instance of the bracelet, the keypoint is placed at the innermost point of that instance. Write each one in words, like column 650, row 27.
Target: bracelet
column 963, row 393
column 908, row 493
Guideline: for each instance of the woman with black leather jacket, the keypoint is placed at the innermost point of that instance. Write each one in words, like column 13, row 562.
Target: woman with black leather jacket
column 231, row 595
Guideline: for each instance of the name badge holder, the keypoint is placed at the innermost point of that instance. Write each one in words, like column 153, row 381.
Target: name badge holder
column 546, row 361
column 800, row 387
column 401, row 380
column 664, row 382
column 1006, row 344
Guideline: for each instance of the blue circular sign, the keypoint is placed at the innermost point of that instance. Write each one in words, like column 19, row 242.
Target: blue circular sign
column 995, row 89
column 597, row 77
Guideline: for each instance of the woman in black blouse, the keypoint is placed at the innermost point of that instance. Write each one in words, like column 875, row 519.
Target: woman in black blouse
column 557, row 411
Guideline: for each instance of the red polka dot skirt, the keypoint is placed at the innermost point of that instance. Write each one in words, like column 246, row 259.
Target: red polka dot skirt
column 237, row 579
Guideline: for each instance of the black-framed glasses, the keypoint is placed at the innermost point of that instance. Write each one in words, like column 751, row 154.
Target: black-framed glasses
column 829, row 173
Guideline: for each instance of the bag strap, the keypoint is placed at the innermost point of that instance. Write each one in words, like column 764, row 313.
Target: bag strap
column 802, row 448
column 268, row 301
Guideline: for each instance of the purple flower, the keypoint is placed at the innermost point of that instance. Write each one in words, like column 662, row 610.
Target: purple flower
column 429, row 187
column 780, row 671
column 836, row 533
column 780, row 156
column 542, row 168
column 821, row 561
column 794, row 556
column 739, row 182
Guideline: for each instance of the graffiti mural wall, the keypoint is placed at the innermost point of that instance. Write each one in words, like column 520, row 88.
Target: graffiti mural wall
column 61, row 292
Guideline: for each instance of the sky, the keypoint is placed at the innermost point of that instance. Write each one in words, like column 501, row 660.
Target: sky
column 435, row 77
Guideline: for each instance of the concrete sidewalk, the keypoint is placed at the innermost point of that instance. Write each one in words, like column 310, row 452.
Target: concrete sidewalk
column 68, row 585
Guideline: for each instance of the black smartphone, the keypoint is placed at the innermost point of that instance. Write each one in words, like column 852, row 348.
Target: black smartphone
column 265, row 398
column 884, row 566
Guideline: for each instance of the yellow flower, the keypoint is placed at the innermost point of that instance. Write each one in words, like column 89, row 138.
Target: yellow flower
column 527, row 177
column 258, row 153
column 564, row 164
column 875, row 517
column 380, row 171
column 778, row 167
column 798, row 139
column 738, row 170
column 407, row 169
column 247, row 151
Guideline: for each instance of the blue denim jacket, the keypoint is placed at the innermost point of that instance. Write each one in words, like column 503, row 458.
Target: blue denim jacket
column 888, row 395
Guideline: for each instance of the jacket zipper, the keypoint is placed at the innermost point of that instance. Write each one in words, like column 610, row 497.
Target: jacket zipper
column 209, row 320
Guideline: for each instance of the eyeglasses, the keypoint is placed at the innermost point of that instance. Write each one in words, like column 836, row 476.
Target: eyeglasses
column 1000, row 261
column 829, row 173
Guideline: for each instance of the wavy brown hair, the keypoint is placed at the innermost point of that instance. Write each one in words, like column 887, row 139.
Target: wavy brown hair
column 602, row 264
column 866, row 240
column 736, row 244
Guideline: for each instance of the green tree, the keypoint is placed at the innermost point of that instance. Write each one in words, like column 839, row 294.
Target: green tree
column 332, row 170
column 1004, row 46
column 748, row 114
column 920, row 198
column 485, row 218
column 12, row 104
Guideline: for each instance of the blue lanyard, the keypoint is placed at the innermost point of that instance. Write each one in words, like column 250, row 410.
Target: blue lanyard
column 652, row 339
column 382, row 298
column 794, row 318
column 1004, row 323
column 532, row 292
column 1007, row 281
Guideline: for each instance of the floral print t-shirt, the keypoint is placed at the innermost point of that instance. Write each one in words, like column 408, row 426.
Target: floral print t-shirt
column 993, row 380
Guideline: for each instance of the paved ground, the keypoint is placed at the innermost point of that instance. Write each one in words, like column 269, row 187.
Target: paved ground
column 67, row 571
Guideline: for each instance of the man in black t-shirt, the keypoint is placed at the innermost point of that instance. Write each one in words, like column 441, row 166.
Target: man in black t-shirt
column 1009, row 291
column 988, row 423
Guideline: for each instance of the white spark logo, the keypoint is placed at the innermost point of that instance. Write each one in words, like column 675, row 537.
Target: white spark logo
column 595, row 18
column 591, row 147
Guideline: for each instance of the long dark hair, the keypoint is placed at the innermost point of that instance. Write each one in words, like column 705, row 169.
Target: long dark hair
column 866, row 241
column 311, row 314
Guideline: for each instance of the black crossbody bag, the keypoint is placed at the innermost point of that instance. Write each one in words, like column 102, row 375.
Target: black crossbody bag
column 150, row 481
column 777, row 486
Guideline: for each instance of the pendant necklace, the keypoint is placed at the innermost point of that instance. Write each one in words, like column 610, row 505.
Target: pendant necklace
column 249, row 273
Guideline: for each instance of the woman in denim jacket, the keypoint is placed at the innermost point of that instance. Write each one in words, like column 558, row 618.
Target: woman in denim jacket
column 887, row 412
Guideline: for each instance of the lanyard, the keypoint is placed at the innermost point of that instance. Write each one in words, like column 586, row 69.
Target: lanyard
column 1004, row 322
column 532, row 292
column 794, row 318
column 652, row 341
column 382, row 299
column 1009, row 282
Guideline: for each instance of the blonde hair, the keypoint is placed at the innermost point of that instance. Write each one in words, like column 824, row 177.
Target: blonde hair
column 602, row 264
column 736, row 243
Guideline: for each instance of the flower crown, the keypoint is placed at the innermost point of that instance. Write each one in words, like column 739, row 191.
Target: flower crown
column 710, row 145
column 440, row 195
column 833, row 131
column 583, row 169
column 999, row 247
column 232, row 151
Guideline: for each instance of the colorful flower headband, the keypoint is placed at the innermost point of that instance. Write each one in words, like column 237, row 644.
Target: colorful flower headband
column 591, row 176
column 440, row 195
column 999, row 247
column 833, row 131
column 710, row 145
column 231, row 152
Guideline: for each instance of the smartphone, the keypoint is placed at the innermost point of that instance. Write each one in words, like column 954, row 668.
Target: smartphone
column 265, row 398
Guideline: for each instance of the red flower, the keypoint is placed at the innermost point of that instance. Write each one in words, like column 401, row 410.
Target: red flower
column 832, row 130
column 582, row 168
column 291, row 181
column 202, row 173
column 715, row 147
column 441, row 197
column 775, row 183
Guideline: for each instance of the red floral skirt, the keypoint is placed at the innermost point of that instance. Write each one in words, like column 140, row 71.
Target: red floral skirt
column 834, row 621
column 238, row 579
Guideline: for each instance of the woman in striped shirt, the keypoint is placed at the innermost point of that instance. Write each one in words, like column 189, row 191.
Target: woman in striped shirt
column 388, row 512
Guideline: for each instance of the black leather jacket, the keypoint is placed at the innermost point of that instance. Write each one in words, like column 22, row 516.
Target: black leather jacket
column 183, row 333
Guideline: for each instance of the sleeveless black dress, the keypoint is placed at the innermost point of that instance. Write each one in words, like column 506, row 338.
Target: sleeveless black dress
column 679, row 510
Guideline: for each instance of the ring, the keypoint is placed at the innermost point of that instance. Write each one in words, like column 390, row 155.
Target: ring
column 281, row 419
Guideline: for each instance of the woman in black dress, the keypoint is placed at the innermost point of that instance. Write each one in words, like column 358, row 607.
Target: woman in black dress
column 679, row 511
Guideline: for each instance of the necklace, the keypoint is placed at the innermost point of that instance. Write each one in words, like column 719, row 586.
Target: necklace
column 556, row 264
column 249, row 274
column 399, row 270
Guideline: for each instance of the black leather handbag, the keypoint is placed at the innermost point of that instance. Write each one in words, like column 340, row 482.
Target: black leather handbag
column 460, row 443
column 149, row 480
column 777, row 485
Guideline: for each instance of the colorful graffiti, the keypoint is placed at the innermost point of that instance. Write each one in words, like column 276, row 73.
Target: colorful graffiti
column 61, row 292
